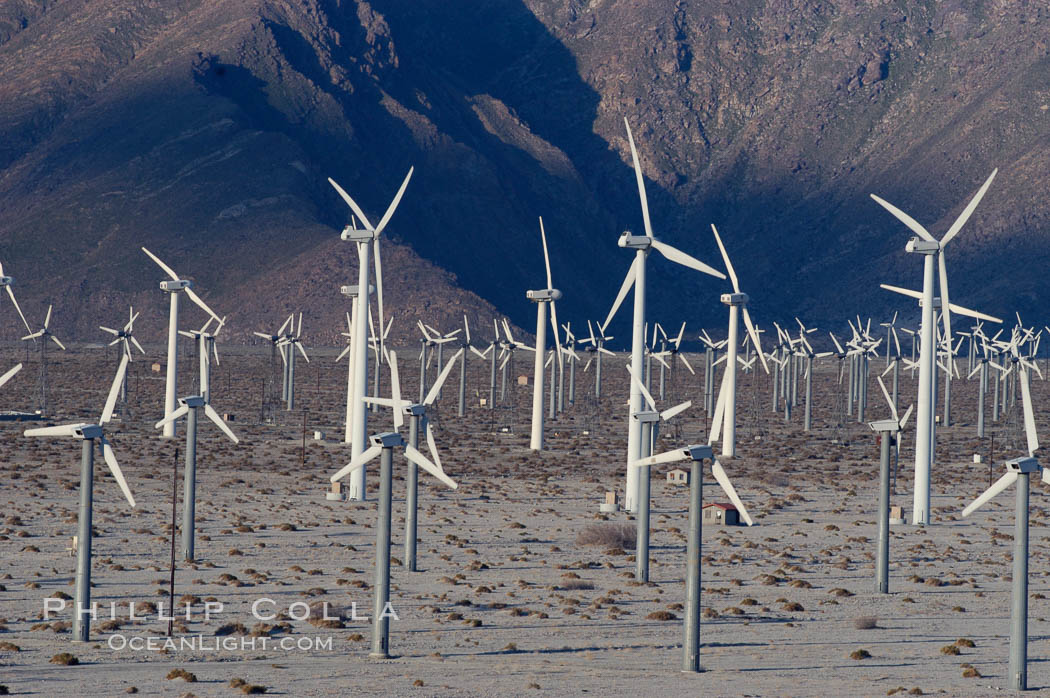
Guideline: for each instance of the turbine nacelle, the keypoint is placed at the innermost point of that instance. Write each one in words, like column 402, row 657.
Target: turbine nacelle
column 634, row 242
column 889, row 425
column 920, row 246
column 544, row 294
column 175, row 286
column 357, row 234
column 388, row 439
column 1025, row 464
column 193, row 401
column 646, row 416
column 354, row 289
column 734, row 298
column 6, row 280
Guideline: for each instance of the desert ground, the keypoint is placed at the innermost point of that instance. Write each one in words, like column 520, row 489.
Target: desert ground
column 508, row 599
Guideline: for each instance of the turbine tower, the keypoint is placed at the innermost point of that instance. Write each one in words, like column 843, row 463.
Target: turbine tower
column 541, row 298
column 174, row 287
column 641, row 244
column 932, row 251
column 737, row 302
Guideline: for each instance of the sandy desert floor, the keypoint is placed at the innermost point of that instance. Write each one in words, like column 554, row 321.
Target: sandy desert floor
column 507, row 602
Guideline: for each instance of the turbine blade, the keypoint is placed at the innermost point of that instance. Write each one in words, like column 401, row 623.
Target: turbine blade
column 1000, row 485
column 683, row 359
column 181, row 411
column 645, row 393
column 10, row 374
column 903, row 291
column 114, row 468
column 676, row 255
column 905, row 219
column 946, row 312
column 546, row 258
column 434, row 389
column 1029, row 417
column 393, row 204
column 968, row 211
column 58, row 430
column 395, row 392
column 168, row 270
column 353, row 206
column 628, row 281
column 423, row 462
column 725, row 258
column 214, row 416
column 114, row 391
column 678, row 454
column 668, row 414
column 367, row 455
column 24, row 321
column 641, row 182
column 429, row 431
column 723, row 480
column 60, row 344
column 755, row 340
column 197, row 299
column 720, row 407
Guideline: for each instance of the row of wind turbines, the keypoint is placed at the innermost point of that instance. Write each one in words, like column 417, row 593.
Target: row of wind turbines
column 790, row 357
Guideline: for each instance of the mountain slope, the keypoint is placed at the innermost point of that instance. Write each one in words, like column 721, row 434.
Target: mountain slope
column 206, row 131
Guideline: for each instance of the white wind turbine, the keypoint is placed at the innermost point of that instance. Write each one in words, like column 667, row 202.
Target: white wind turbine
column 206, row 350
column 125, row 336
column 292, row 342
column 45, row 334
column 650, row 420
column 89, row 434
column 641, row 244
column 174, row 287
column 737, row 302
column 541, row 298
column 189, row 407
column 698, row 454
column 365, row 239
column 383, row 444
column 933, row 252
column 418, row 420
column 1019, row 471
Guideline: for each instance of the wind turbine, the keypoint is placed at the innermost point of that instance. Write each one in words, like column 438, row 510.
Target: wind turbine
column 44, row 333
column 292, row 342
column 270, row 396
column 650, row 420
column 541, row 298
column 383, row 444
column 596, row 344
column 126, row 338
column 1019, row 471
column 174, row 287
column 641, row 244
column 888, row 430
column 190, row 407
column 932, row 251
column 89, row 434
column 698, row 454
column 737, row 302
column 417, row 416
column 365, row 239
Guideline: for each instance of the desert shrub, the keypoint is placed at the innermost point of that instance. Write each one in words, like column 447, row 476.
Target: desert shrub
column 860, row 654
column 65, row 659
column 866, row 623
column 608, row 535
